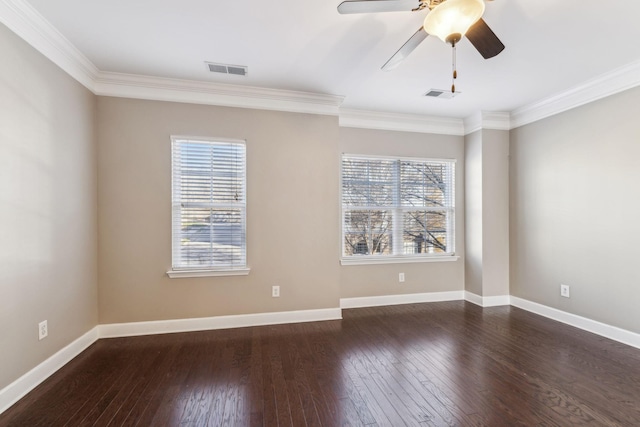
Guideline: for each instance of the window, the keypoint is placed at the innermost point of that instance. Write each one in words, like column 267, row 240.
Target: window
column 208, row 206
column 397, row 208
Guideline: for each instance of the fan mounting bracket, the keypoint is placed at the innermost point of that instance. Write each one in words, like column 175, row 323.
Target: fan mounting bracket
column 428, row 4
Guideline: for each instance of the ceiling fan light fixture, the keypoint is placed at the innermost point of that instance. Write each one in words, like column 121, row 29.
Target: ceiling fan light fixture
column 450, row 20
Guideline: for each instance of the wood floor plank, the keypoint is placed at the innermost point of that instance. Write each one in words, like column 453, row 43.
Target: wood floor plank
column 67, row 395
column 379, row 362
column 169, row 406
column 135, row 408
column 330, row 374
column 222, row 389
column 441, row 364
column 136, row 390
column 392, row 362
column 255, row 395
column 299, row 382
column 116, row 364
column 319, row 367
column 270, row 414
column 377, row 411
column 202, row 380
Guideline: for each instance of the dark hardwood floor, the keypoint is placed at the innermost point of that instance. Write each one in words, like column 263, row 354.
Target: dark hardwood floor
column 438, row 364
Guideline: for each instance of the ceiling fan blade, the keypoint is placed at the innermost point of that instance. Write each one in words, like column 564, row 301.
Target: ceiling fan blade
column 373, row 6
column 405, row 50
column 484, row 39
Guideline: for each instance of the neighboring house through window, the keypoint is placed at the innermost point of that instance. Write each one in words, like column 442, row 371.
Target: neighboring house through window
column 397, row 207
column 208, row 204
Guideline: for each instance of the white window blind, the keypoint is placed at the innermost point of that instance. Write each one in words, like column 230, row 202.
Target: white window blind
column 209, row 204
column 397, row 207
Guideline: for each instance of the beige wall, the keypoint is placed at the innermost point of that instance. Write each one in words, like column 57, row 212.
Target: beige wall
column 292, row 205
column 495, row 221
column 575, row 209
column 375, row 280
column 487, row 212
column 473, row 212
column 48, row 214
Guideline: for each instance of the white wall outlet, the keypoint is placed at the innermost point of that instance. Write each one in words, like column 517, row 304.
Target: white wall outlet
column 564, row 291
column 275, row 291
column 401, row 277
column 43, row 330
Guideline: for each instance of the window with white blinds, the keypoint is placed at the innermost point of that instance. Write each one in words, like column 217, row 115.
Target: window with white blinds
column 397, row 207
column 209, row 204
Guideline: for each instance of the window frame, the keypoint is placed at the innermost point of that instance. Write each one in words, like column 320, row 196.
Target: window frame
column 209, row 270
column 397, row 209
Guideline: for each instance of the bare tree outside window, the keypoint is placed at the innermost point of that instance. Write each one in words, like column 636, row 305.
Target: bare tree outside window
column 397, row 206
column 425, row 185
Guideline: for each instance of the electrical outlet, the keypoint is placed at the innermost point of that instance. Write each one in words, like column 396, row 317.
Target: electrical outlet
column 275, row 291
column 564, row 291
column 43, row 330
column 401, row 277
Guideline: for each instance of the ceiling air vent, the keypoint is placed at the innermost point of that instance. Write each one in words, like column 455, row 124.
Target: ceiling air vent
column 441, row 93
column 238, row 70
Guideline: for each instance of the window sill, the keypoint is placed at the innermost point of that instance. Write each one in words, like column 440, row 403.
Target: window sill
column 178, row 274
column 397, row 259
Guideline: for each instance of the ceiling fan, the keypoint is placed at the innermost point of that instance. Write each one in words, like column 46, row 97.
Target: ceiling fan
column 449, row 20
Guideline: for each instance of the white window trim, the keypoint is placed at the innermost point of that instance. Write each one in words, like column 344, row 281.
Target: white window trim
column 209, row 272
column 395, row 259
column 179, row 274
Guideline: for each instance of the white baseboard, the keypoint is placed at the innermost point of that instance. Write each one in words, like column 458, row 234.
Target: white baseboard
column 219, row 322
column 494, row 301
column 377, row 301
column 473, row 298
column 612, row 332
column 19, row 388
column 23, row 385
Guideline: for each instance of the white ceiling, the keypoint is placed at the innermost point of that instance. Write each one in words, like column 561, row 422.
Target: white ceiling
column 551, row 46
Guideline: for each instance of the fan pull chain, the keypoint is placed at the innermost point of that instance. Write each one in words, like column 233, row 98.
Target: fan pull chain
column 455, row 72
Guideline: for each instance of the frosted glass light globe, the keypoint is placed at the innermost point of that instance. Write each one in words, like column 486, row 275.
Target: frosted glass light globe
column 453, row 18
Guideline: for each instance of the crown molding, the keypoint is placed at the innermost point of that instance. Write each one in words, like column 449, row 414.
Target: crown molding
column 21, row 18
column 401, row 122
column 498, row 120
column 194, row 92
column 607, row 84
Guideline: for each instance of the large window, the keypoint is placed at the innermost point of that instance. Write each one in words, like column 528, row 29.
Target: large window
column 209, row 204
column 397, row 207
